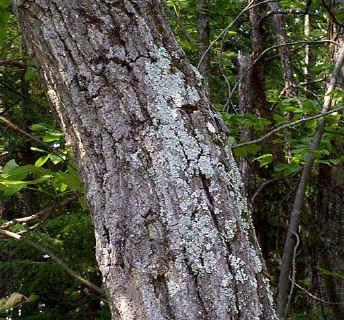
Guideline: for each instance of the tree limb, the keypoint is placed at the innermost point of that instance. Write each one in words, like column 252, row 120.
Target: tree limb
column 56, row 259
column 41, row 215
column 11, row 125
column 300, row 193
column 287, row 125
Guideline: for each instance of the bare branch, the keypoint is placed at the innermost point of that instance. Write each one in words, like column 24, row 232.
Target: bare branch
column 285, row 126
column 11, row 125
column 69, row 271
column 300, row 193
column 313, row 296
column 16, row 63
column 229, row 26
column 41, row 215
column 306, row 42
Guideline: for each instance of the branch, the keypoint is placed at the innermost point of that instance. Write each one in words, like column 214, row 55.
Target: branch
column 306, row 42
column 287, row 125
column 41, row 215
column 289, row 245
column 266, row 183
column 63, row 266
column 225, row 30
column 11, row 125
column 16, row 63
column 315, row 297
column 285, row 11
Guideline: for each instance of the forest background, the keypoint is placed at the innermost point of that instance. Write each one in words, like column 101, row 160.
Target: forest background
column 267, row 67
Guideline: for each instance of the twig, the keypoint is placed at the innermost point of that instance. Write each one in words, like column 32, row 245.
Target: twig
column 11, row 125
column 68, row 270
column 278, row 12
column 287, row 125
column 283, row 283
column 315, row 297
column 225, row 30
column 306, row 42
column 41, row 215
column 266, row 183
column 293, row 273
column 16, row 63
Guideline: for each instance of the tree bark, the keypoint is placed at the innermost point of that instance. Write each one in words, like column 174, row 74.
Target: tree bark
column 284, row 52
column 258, row 69
column 245, row 106
column 203, row 41
column 174, row 239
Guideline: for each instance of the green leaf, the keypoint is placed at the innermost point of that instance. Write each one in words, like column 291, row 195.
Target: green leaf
column 11, row 187
column 42, row 160
column 333, row 274
column 71, row 179
column 56, row 159
column 9, row 166
column 53, row 136
column 30, row 73
column 286, row 168
column 264, row 160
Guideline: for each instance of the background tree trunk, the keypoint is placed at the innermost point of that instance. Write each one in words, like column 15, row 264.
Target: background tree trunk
column 284, row 52
column 203, row 41
column 174, row 239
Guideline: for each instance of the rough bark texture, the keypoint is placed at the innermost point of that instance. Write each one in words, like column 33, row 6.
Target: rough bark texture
column 284, row 52
column 203, row 40
column 245, row 105
column 174, row 238
column 258, row 75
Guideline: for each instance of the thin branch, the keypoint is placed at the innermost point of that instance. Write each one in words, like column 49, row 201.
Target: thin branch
column 16, row 63
column 63, row 266
column 266, row 183
column 315, row 297
column 289, row 245
column 41, row 215
column 287, row 125
column 11, row 125
column 225, row 30
column 284, row 12
column 293, row 273
column 186, row 34
column 306, row 42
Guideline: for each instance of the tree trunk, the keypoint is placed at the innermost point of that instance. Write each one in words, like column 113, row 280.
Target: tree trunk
column 245, row 106
column 203, row 41
column 258, row 70
column 284, row 52
column 174, row 239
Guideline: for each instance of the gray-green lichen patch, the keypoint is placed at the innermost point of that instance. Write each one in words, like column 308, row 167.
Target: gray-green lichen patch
column 193, row 234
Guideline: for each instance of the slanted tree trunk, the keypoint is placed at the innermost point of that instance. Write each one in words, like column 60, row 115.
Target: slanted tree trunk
column 174, row 239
